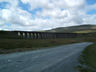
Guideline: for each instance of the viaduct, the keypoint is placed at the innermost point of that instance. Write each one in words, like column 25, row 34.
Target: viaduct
column 45, row 35
column 37, row 35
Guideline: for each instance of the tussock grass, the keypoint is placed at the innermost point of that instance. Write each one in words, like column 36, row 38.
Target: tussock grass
column 88, row 58
column 15, row 45
column 90, row 55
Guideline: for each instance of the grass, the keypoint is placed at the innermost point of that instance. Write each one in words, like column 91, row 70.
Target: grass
column 85, row 31
column 88, row 58
column 90, row 55
column 15, row 45
column 18, row 45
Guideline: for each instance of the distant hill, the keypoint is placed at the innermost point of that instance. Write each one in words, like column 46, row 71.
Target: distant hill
column 75, row 29
column 72, row 29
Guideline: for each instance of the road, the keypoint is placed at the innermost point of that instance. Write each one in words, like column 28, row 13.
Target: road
column 57, row 59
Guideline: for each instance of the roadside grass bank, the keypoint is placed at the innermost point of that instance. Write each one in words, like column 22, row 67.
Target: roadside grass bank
column 19, row 45
column 88, row 59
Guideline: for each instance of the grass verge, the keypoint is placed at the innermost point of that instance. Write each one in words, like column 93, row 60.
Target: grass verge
column 88, row 59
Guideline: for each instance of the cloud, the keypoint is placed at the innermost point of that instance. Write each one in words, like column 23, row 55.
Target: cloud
column 54, row 13
column 89, row 19
column 75, row 3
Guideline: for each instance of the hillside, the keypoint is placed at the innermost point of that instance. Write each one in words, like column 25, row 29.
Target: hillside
column 72, row 29
column 75, row 29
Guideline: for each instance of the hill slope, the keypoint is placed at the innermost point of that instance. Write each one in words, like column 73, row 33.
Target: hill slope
column 75, row 29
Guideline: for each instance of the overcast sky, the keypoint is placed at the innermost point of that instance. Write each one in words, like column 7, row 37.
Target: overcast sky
column 37, row 15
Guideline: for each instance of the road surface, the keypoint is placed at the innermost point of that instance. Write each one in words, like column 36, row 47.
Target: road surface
column 56, row 59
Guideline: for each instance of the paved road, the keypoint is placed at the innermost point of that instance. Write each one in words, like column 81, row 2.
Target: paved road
column 58, row 59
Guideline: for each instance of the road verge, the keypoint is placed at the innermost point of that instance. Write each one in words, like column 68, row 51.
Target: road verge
column 88, row 59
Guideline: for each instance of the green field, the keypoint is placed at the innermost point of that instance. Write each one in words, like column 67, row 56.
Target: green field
column 18, row 45
column 15, row 45
column 85, row 31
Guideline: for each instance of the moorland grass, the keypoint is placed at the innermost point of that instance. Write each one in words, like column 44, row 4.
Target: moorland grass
column 88, row 58
column 15, row 45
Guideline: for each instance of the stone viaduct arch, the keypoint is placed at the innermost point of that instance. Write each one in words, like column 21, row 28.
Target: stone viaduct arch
column 44, row 35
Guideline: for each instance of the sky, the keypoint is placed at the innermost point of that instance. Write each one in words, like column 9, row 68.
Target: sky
column 35, row 15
